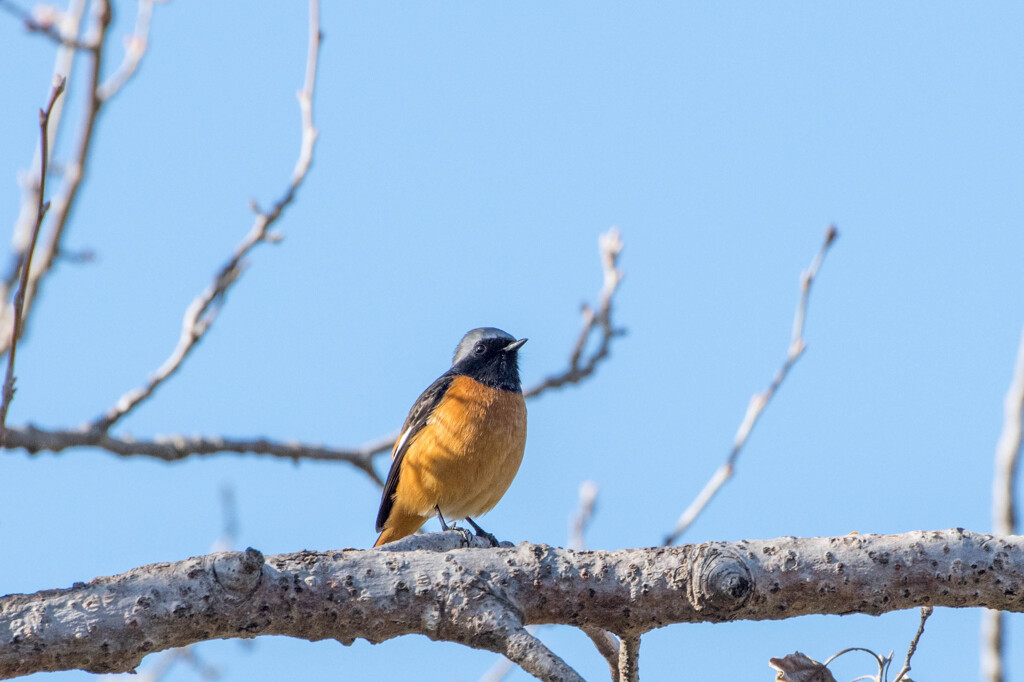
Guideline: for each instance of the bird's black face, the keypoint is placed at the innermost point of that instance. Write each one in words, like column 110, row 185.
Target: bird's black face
column 489, row 356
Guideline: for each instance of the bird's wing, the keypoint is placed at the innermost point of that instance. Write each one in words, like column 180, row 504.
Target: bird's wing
column 417, row 419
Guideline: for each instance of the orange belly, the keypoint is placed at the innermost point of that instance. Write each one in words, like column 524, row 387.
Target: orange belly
column 464, row 460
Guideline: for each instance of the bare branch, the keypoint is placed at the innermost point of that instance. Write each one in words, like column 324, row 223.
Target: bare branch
column 43, row 20
column 173, row 448
column 26, row 266
column 629, row 659
column 482, row 597
column 882, row 662
column 610, row 245
column 607, row 645
column 135, row 46
column 228, row 537
column 1004, row 508
column 202, row 312
column 579, row 521
column 502, row 667
column 68, row 23
column 926, row 611
column 518, row 645
column 760, row 400
column 73, row 174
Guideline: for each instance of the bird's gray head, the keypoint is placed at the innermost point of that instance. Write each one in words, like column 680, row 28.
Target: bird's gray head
column 490, row 356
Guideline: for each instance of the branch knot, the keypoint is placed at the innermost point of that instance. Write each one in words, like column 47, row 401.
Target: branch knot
column 720, row 581
column 239, row 573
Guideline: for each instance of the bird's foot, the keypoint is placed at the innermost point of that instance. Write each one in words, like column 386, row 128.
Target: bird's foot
column 467, row 535
column 483, row 534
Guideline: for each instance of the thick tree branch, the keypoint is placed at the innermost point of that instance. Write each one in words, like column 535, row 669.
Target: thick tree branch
column 1004, row 508
column 501, row 632
column 760, row 400
column 607, row 644
column 26, row 266
column 462, row 595
column 158, row 666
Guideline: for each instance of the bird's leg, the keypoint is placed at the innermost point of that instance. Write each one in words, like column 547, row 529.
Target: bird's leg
column 482, row 533
column 440, row 517
column 467, row 537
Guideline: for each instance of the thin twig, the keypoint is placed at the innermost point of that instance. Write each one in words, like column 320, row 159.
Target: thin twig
column 881, row 661
column 26, row 266
column 926, row 611
column 74, row 170
column 43, row 21
column 229, row 517
column 68, row 23
column 202, row 312
column 174, row 448
column 580, row 521
column 1004, row 509
column 610, row 246
column 135, row 46
column 760, row 400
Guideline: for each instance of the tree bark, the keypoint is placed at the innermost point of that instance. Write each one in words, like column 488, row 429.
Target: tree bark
column 448, row 586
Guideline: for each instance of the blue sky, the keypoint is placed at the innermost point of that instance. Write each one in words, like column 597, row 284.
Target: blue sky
column 469, row 156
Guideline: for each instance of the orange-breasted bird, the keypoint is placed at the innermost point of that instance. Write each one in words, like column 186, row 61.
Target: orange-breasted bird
column 463, row 440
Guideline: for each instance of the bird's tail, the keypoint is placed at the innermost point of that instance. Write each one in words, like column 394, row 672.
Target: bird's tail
column 398, row 527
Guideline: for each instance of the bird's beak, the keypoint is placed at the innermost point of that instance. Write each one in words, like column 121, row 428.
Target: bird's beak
column 514, row 346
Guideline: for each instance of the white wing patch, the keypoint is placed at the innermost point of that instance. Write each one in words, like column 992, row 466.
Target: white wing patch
column 401, row 442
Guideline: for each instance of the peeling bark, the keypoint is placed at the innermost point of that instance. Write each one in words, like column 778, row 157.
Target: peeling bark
column 483, row 597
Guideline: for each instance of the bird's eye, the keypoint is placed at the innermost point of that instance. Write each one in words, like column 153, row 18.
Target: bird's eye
column 480, row 349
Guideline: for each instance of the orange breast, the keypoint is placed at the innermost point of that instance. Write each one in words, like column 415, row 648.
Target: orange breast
column 464, row 460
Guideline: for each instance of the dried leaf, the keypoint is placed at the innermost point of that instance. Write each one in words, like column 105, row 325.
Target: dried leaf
column 798, row 667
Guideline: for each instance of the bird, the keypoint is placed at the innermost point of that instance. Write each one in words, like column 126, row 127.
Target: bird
column 462, row 443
